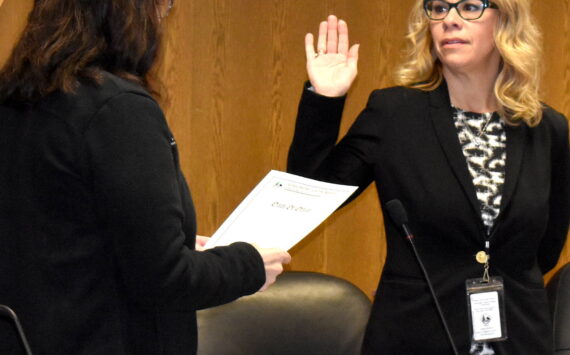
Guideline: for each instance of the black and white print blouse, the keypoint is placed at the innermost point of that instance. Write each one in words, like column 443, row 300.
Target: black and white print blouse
column 484, row 142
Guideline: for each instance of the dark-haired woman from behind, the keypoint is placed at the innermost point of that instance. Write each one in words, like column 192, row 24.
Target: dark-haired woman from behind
column 97, row 226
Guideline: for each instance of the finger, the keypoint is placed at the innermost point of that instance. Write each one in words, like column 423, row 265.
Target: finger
column 282, row 257
column 202, row 239
column 286, row 258
column 276, row 256
column 332, row 34
column 309, row 46
column 352, row 57
column 201, row 242
column 322, row 40
column 342, row 37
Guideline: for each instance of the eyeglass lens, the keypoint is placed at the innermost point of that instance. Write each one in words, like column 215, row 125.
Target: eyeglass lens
column 467, row 9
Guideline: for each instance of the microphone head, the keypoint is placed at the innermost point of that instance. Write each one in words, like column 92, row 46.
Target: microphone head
column 397, row 212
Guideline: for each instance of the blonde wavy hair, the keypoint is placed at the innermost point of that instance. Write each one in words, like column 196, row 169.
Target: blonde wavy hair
column 518, row 41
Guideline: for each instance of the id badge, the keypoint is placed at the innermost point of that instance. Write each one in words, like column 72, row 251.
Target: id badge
column 486, row 309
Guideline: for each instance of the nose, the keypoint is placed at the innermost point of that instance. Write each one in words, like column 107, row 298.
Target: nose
column 452, row 19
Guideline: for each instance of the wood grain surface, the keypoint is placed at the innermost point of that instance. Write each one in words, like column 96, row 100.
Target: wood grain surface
column 232, row 73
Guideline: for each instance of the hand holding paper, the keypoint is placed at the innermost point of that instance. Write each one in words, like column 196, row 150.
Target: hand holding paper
column 273, row 260
column 280, row 211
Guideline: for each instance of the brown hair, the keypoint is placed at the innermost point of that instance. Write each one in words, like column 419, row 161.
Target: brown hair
column 70, row 41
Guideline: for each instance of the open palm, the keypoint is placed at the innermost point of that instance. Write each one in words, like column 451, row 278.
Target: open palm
column 333, row 68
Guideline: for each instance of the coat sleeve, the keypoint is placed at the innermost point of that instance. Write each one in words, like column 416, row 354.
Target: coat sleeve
column 137, row 196
column 559, row 211
column 314, row 152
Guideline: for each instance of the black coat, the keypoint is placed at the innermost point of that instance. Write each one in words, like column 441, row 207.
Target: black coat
column 405, row 140
column 97, row 229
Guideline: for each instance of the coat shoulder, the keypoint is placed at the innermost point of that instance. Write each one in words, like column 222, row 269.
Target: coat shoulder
column 555, row 125
column 554, row 119
column 78, row 107
column 396, row 97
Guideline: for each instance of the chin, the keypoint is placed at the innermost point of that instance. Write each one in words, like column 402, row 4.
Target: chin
column 456, row 64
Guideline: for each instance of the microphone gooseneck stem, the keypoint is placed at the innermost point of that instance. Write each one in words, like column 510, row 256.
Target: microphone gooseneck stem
column 410, row 237
column 398, row 214
column 11, row 314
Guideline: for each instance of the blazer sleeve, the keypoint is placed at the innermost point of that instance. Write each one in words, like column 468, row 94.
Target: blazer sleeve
column 559, row 211
column 314, row 153
column 138, row 198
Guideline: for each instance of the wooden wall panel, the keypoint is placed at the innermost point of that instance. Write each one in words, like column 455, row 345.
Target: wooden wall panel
column 554, row 19
column 13, row 15
column 241, row 88
column 232, row 73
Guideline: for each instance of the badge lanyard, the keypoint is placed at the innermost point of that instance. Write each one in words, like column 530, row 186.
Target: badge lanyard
column 486, row 303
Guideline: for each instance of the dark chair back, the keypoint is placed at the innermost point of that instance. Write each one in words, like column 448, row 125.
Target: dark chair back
column 558, row 289
column 302, row 313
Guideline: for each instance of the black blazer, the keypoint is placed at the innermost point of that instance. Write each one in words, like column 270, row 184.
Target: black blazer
column 405, row 140
column 97, row 229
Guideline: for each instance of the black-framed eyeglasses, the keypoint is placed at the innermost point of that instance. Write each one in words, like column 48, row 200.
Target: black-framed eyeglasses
column 468, row 9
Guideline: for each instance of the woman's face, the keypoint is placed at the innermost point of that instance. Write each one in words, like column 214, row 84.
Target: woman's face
column 463, row 45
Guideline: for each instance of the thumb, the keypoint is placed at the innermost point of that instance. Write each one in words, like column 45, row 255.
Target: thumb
column 309, row 47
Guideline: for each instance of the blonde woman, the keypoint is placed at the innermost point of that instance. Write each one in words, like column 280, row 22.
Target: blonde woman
column 481, row 166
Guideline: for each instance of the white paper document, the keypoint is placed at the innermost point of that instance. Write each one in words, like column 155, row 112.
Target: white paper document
column 280, row 211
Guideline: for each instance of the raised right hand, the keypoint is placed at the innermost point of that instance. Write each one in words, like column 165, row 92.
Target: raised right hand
column 333, row 68
column 273, row 260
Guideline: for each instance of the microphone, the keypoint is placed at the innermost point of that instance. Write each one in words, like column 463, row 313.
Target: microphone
column 7, row 311
column 399, row 216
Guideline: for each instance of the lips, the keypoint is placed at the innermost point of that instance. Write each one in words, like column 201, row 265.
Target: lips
column 452, row 41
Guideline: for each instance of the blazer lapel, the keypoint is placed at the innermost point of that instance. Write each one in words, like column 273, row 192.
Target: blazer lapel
column 441, row 115
column 515, row 151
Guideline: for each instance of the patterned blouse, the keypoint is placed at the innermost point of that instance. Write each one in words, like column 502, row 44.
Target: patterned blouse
column 483, row 140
